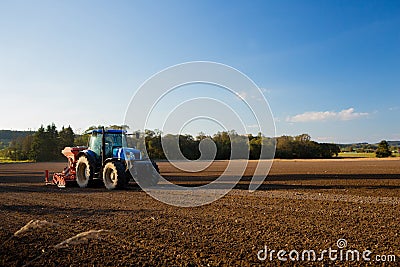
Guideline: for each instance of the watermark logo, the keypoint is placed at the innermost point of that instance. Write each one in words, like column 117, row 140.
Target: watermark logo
column 194, row 97
column 342, row 253
column 341, row 243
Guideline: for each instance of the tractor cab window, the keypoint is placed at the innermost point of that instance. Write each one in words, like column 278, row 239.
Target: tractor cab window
column 95, row 143
column 116, row 139
column 112, row 140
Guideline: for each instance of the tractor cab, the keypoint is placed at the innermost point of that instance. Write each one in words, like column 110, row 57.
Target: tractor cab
column 113, row 139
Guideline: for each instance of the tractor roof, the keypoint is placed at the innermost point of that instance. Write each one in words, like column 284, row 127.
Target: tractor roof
column 115, row 131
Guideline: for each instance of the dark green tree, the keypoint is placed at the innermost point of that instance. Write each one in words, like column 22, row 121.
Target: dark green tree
column 67, row 137
column 45, row 144
column 301, row 146
column 38, row 149
column 153, row 144
column 119, row 127
column 52, row 143
column 81, row 139
column 223, row 142
column 284, row 147
column 383, row 150
column 255, row 146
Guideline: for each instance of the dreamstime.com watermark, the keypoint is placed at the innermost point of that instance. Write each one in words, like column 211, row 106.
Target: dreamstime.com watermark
column 339, row 253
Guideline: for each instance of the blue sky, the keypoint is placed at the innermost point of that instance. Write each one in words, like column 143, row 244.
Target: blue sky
column 327, row 68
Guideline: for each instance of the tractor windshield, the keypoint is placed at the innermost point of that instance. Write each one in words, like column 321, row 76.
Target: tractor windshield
column 116, row 139
column 112, row 140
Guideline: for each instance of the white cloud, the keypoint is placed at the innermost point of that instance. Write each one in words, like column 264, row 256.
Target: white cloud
column 344, row 115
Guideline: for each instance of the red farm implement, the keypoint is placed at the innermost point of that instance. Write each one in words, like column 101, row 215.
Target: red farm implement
column 69, row 173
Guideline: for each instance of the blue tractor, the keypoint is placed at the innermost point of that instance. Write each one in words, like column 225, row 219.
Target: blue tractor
column 109, row 158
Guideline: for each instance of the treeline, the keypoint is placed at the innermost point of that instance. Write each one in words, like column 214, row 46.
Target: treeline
column 43, row 145
column 46, row 144
column 287, row 147
column 246, row 146
column 301, row 147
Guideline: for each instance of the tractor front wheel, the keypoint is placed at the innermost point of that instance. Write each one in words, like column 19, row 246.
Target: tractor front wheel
column 84, row 172
column 114, row 175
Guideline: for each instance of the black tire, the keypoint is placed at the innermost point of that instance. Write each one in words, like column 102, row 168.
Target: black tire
column 84, row 172
column 114, row 175
column 128, row 177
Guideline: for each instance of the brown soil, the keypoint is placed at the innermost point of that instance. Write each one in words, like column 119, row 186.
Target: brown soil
column 302, row 205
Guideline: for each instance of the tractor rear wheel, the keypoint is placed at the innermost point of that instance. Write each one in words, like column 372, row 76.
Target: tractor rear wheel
column 114, row 175
column 84, row 172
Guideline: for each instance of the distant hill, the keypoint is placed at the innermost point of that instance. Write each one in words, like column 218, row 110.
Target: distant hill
column 365, row 147
column 391, row 143
column 6, row 136
column 356, row 145
column 394, row 143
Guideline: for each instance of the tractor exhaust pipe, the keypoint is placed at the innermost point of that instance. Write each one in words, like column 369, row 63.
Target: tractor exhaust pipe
column 103, row 146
